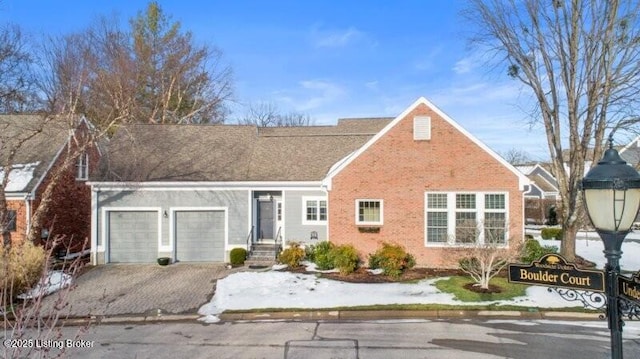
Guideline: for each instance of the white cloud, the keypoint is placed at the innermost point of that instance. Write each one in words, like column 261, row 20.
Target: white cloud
column 310, row 95
column 372, row 85
column 338, row 38
column 429, row 61
column 320, row 93
column 464, row 66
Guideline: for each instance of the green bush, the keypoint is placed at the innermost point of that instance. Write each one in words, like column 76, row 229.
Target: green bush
column 20, row 267
column 292, row 256
column 324, row 255
column 392, row 259
column 551, row 233
column 345, row 258
column 237, row 256
column 310, row 252
column 533, row 251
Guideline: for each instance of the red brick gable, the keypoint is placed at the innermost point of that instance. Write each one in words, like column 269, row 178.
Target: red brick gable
column 70, row 212
column 399, row 170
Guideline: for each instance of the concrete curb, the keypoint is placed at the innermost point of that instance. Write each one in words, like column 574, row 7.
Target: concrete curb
column 404, row 314
column 338, row 315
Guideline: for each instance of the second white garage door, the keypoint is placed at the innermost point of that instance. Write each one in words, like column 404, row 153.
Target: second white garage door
column 200, row 236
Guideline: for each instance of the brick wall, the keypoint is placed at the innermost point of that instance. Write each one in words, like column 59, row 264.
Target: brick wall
column 70, row 211
column 21, row 219
column 399, row 171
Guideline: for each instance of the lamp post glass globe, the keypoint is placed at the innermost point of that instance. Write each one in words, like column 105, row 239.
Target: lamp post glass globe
column 612, row 193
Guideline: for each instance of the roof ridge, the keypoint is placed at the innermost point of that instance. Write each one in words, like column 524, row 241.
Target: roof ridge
column 319, row 134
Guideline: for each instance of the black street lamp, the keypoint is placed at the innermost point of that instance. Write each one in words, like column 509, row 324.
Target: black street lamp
column 612, row 196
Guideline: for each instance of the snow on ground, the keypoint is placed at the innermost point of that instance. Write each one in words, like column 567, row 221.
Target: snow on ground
column 590, row 246
column 255, row 290
column 54, row 281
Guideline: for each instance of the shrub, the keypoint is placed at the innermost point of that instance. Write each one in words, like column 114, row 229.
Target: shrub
column 345, row 258
column 237, row 256
column 392, row 259
column 533, row 251
column 551, row 233
column 310, row 252
column 292, row 256
column 324, row 255
column 21, row 267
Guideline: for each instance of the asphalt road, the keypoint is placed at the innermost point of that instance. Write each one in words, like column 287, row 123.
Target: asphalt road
column 370, row 339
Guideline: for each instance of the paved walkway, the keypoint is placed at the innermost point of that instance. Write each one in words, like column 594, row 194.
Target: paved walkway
column 141, row 289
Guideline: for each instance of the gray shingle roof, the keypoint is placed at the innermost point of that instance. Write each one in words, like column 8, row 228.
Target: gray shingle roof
column 232, row 152
column 542, row 183
column 34, row 138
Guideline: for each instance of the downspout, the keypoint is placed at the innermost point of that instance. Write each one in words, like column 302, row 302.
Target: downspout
column 95, row 215
column 528, row 188
column 27, row 203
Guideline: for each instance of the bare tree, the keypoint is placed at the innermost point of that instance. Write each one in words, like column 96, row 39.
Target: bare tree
column 486, row 251
column 267, row 114
column 17, row 90
column 152, row 73
column 516, row 156
column 579, row 61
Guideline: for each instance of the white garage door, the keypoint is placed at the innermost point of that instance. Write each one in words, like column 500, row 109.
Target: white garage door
column 133, row 236
column 199, row 236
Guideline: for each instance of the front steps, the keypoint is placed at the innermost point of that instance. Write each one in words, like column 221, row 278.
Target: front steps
column 262, row 254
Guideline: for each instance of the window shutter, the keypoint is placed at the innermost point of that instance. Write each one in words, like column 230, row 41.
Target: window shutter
column 421, row 128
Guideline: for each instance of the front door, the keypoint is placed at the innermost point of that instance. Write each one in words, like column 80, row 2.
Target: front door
column 265, row 219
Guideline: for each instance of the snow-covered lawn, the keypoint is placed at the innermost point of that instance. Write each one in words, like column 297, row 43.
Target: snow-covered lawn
column 255, row 290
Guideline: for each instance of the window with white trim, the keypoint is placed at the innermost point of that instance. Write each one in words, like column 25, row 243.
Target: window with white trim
column 82, row 167
column 369, row 212
column 315, row 210
column 465, row 218
column 495, row 218
column 437, row 218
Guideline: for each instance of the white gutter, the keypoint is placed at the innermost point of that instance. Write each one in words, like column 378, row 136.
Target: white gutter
column 203, row 185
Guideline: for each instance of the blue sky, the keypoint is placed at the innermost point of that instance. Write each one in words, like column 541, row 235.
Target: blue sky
column 334, row 59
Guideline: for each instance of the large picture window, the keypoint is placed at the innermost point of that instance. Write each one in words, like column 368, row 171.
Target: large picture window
column 465, row 218
column 315, row 210
column 369, row 212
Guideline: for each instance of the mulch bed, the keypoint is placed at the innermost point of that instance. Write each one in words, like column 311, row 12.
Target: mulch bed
column 361, row 275
column 477, row 289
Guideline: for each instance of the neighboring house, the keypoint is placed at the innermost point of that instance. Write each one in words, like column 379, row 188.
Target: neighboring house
column 194, row 192
column 41, row 145
column 542, row 194
column 631, row 153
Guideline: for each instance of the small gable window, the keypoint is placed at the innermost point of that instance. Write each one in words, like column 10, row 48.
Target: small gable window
column 421, row 128
column 369, row 212
column 82, row 167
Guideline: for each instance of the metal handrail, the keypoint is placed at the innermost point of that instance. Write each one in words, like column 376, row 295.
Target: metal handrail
column 278, row 242
column 249, row 241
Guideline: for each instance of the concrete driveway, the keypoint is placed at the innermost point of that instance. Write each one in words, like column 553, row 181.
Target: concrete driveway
column 140, row 289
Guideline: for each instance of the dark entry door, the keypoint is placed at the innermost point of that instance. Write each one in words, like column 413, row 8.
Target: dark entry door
column 265, row 219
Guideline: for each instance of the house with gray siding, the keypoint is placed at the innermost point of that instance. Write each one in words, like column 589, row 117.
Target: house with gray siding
column 194, row 192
